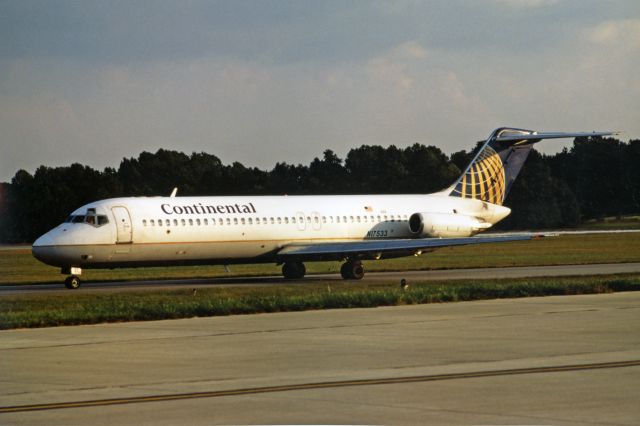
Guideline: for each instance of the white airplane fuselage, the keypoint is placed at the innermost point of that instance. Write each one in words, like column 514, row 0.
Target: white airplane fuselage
column 223, row 230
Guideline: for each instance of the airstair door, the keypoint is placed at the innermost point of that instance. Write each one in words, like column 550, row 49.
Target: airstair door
column 123, row 225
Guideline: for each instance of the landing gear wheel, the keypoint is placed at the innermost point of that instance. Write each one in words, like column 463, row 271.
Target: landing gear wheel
column 72, row 282
column 352, row 270
column 293, row 270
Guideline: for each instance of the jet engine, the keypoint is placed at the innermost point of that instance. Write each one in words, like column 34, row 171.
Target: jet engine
column 445, row 225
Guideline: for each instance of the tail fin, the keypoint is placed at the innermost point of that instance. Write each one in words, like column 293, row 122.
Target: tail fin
column 492, row 172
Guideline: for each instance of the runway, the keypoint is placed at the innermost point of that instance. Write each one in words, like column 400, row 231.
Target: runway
column 552, row 360
column 392, row 277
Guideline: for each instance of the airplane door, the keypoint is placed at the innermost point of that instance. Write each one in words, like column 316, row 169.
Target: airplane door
column 123, row 225
column 315, row 220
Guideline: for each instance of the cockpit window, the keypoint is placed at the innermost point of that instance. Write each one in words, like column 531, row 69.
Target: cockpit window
column 77, row 219
column 91, row 218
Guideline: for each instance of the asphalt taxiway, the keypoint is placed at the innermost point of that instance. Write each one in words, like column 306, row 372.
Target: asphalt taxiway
column 435, row 275
column 553, row 360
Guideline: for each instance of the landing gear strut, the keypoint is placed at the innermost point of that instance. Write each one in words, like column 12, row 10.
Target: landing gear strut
column 352, row 270
column 293, row 270
column 72, row 282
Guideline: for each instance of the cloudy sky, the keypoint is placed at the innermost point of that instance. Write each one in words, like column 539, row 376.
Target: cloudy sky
column 266, row 81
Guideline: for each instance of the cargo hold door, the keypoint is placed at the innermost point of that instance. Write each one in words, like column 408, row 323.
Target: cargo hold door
column 123, row 225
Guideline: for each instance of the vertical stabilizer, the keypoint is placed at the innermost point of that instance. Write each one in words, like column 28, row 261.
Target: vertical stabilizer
column 492, row 172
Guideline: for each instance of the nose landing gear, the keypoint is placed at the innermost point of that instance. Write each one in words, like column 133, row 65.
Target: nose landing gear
column 73, row 281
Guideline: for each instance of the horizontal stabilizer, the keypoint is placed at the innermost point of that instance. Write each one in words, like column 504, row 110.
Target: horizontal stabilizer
column 535, row 136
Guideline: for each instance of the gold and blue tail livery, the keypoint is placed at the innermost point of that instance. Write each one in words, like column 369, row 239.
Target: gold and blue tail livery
column 492, row 172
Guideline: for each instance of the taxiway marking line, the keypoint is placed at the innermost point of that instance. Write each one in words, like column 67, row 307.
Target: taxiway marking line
column 319, row 385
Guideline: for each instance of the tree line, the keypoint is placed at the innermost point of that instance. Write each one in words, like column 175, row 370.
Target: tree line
column 596, row 177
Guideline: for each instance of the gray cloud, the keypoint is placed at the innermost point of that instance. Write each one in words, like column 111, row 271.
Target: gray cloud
column 261, row 82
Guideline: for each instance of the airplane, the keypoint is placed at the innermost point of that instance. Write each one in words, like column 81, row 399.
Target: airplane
column 291, row 230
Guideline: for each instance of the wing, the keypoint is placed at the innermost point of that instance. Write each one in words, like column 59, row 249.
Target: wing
column 376, row 249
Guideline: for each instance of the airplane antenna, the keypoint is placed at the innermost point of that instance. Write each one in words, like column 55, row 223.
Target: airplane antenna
column 174, row 192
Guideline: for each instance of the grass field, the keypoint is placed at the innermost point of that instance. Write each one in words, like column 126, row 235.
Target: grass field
column 19, row 267
column 609, row 223
column 71, row 308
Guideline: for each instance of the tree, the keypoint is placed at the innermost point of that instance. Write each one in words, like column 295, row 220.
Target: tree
column 538, row 200
column 327, row 176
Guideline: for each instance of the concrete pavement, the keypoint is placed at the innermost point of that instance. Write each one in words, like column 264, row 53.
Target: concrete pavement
column 180, row 357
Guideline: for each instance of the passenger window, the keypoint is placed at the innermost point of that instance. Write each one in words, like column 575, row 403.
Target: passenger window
column 271, row 220
column 152, row 222
column 324, row 219
column 308, row 219
column 257, row 221
column 286, row 220
column 279, row 220
column 316, row 220
column 144, row 222
column 337, row 219
column 250, row 221
column 206, row 221
column 385, row 217
column 235, row 220
column 228, row 221
column 293, row 220
column 351, row 217
column 159, row 222
column 358, row 219
column 167, row 222
column 242, row 220
column 344, row 219
column 190, row 222
column 220, row 222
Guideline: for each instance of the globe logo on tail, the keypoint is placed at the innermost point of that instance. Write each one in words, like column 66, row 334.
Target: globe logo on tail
column 484, row 179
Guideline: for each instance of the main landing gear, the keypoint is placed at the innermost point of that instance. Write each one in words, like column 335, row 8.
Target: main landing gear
column 293, row 270
column 352, row 270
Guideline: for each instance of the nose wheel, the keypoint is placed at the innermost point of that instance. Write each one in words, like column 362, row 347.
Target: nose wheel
column 72, row 282
column 352, row 270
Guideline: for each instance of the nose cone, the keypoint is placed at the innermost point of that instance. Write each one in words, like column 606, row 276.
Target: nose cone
column 44, row 240
column 44, row 249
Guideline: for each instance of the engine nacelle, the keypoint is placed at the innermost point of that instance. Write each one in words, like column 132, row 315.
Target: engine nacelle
column 445, row 225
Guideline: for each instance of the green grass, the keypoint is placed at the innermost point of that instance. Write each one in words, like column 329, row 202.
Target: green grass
column 19, row 267
column 611, row 223
column 41, row 310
